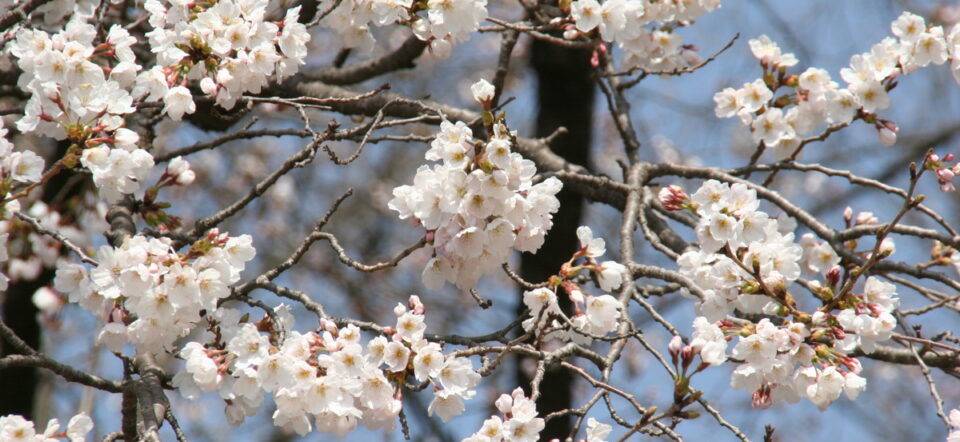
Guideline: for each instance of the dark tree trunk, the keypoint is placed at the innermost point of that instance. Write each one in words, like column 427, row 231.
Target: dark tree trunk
column 565, row 94
column 18, row 384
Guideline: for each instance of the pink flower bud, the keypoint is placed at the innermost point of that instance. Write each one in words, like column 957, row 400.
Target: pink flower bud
column 686, row 354
column 852, row 364
column 944, row 175
column 887, row 136
column 839, row 333
column 847, row 215
column 186, row 178
column 676, row 343
column 672, row 197
column 833, row 276
column 328, row 325
column 415, row 305
column 866, row 218
column 761, row 398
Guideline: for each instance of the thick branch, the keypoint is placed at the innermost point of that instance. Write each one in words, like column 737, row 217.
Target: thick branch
column 402, row 58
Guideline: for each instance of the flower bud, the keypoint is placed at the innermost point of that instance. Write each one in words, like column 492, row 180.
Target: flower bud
column 504, row 403
column 852, row 364
column 328, row 325
column 887, row 247
column 945, row 174
column 866, row 218
column 833, row 276
column 887, row 136
column 673, row 197
column 839, row 333
column 483, row 92
column 676, row 343
column 186, row 178
column 415, row 305
column 177, row 166
column 762, row 399
column 686, row 355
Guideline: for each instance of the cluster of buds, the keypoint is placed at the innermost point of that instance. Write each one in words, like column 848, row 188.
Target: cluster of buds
column 177, row 173
column 592, row 315
column 943, row 169
column 682, row 356
column 673, row 197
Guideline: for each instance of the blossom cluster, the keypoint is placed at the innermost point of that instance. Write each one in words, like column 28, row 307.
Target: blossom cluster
column 54, row 12
column 812, row 99
column 441, row 23
column 149, row 294
column 17, row 166
column 746, row 264
column 34, row 251
column 14, row 428
column 736, row 239
column 594, row 315
column 477, row 205
column 326, row 378
column 780, row 363
column 623, row 21
column 518, row 424
column 79, row 91
column 73, row 96
column 228, row 46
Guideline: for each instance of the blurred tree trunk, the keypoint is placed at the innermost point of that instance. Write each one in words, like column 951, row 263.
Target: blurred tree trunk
column 18, row 386
column 565, row 95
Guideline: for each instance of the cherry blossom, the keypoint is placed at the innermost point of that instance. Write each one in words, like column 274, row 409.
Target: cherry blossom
column 477, row 205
